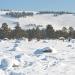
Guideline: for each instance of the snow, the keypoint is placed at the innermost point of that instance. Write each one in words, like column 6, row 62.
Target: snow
column 2, row 72
column 26, row 62
column 23, row 57
column 57, row 22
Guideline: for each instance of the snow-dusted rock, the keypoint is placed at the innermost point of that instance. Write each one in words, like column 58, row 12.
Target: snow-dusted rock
column 16, row 73
column 43, row 50
column 4, row 64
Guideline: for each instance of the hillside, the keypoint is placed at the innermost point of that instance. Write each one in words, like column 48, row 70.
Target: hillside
column 57, row 21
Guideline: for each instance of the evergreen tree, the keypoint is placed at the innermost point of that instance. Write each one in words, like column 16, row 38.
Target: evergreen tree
column 18, row 32
column 38, row 33
column 64, row 32
column 58, row 34
column 1, row 34
column 64, row 29
column 5, row 31
column 49, row 31
column 71, row 32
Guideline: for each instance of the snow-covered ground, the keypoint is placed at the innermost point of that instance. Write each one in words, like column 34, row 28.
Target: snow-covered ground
column 23, row 57
column 57, row 22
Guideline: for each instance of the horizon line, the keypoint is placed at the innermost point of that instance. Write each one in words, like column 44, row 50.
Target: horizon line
column 22, row 9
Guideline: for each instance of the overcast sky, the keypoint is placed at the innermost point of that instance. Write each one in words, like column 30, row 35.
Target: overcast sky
column 36, row 5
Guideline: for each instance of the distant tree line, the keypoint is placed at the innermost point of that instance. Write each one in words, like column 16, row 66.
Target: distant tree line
column 19, row 14
column 47, row 33
column 55, row 12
